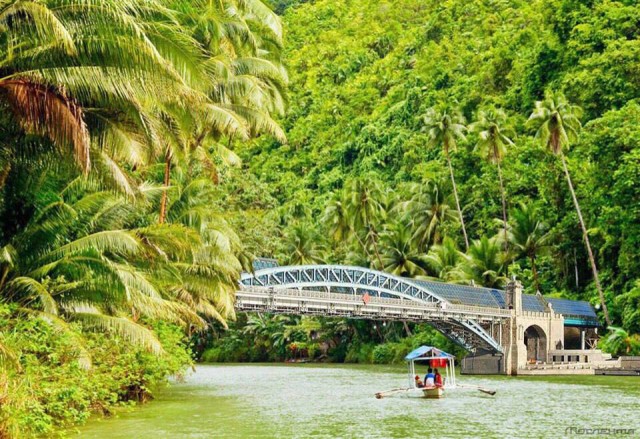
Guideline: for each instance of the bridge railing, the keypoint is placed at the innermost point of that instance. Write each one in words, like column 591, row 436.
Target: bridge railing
column 374, row 300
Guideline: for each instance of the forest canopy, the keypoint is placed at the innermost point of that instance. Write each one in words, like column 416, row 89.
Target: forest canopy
column 367, row 79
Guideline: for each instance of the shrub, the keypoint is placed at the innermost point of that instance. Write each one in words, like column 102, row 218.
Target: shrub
column 383, row 354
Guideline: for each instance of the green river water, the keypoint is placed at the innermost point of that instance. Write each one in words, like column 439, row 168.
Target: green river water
column 326, row 401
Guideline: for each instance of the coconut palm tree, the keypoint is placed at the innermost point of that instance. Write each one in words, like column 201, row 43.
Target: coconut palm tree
column 365, row 208
column 558, row 123
column 79, row 259
column 304, row 245
column 529, row 235
column 71, row 69
column 428, row 208
column 492, row 144
column 335, row 217
column 246, row 82
column 484, row 264
column 444, row 128
column 620, row 342
column 443, row 259
column 399, row 256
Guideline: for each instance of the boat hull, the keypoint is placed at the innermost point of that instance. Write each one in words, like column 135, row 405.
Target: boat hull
column 433, row 393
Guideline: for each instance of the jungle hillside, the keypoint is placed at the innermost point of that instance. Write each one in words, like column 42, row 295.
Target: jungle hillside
column 151, row 150
column 468, row 142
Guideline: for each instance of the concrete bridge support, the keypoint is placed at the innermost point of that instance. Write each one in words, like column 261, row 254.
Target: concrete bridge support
column 530, row 337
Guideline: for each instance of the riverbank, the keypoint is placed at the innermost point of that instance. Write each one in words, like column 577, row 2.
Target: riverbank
column 302, row 400
column 52, row 379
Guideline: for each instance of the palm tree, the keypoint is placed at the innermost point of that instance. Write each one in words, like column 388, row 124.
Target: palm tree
column 557, row 123
column 304, row 245
column 444, row 128
column 245, row 87
column 620, row 342
column 335, row 217
column 398, row 254
column 492, row 144
column 529, row 235
column 365, row 209
column 484, row 264
column 443, row 259
column 429, row 207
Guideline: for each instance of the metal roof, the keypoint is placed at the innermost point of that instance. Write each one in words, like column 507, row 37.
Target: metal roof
column 262, row 263
column 579, row 313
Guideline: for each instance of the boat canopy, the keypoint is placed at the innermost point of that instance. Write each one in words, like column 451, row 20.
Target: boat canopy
column 427, row 352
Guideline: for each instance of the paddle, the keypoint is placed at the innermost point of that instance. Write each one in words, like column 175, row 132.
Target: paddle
column 482, row 389
column 381, row 395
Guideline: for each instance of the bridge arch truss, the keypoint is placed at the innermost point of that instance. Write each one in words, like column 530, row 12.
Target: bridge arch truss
column 310, row 282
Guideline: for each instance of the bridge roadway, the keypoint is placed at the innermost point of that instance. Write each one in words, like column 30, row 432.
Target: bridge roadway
column 464, row 324
column 307, row 302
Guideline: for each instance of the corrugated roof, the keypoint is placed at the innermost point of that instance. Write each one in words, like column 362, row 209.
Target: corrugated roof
column 491, row 297
column 262, row 263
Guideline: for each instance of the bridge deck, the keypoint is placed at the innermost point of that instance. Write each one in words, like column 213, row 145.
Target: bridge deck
column 326, row 303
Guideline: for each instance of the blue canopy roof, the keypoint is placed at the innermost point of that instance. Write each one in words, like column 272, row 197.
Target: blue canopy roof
column 427, row 352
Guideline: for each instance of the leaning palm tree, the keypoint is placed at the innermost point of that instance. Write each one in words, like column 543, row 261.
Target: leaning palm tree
column 444, row 128
column 529, row 235
column 492, row 145
column 558, row 123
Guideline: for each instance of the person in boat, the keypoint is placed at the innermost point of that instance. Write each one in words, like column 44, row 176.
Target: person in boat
column 429, row 378
column 437, row 379
column 419, row 382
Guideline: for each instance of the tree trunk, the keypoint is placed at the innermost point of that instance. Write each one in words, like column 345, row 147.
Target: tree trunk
column 605, row 310
column 167, row 176
column 455, row 193
column 406, row 328
column 362, row 244
column 373, row 234
column 534, row 269
column 504, row 208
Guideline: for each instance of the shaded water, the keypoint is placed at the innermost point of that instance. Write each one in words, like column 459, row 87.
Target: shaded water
column 325, row 401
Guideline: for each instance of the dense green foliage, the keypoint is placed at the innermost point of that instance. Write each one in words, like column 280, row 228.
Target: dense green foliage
column 50, row 388
column 258, row 337
column 382, row 94
column 116, row 120
column 466, row 141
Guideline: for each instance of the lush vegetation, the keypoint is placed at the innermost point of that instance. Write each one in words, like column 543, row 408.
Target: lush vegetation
column 463, row 141
column 116, row 122
column 146, row 155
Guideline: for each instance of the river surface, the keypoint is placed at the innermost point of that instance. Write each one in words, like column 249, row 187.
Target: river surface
column 326, row 401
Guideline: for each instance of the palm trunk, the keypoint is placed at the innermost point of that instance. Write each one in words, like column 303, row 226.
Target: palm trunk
column 375, row 247
column 586, row 241
column 534, row 269
column 455, row 193
column 167, row 176
column 504, row 208
column 362, row 244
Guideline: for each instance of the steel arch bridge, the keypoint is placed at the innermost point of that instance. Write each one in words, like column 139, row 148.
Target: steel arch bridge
column 338, row 290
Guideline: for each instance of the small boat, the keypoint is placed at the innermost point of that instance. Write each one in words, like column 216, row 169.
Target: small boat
column 434, row 358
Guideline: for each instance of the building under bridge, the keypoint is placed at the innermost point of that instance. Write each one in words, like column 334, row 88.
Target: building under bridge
column 505, row 331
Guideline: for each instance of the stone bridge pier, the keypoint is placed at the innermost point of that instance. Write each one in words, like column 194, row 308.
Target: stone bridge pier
column 527, row 337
